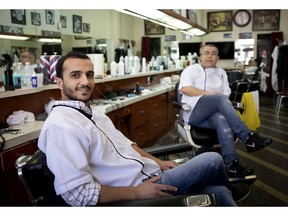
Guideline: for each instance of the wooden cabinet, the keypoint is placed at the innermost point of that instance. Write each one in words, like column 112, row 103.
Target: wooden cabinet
column 171, row 111
column 12, row 190
column 121, row 119
column 148, row 119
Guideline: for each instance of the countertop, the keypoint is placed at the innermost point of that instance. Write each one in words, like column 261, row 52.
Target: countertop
column 30, row 131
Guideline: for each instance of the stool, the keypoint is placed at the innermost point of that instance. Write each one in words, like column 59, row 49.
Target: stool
column 280, row 97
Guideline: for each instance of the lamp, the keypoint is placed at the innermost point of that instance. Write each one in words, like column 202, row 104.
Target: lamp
column 50, row 40
column 14, row 37
column 169, row 19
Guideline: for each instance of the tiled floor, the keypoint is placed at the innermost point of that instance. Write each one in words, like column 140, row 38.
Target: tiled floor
column 270, row 164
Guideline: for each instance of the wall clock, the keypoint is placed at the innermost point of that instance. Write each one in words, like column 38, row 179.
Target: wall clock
column 242, row 18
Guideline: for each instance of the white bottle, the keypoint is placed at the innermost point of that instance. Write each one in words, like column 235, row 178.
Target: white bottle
column 27, row 74
column 121, row 68
column 113, row 69
column 144, row 64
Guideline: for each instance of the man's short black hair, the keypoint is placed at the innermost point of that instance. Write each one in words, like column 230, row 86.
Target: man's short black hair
column 72, row 54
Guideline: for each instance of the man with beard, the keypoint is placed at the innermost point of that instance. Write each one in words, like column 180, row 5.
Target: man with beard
column 95, row 163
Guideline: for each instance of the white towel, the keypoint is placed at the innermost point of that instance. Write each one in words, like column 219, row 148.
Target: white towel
column 20, row 117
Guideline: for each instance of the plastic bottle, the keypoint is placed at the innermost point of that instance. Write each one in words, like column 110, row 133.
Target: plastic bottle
column 34, row 80
column 17, row 75
column 121, row 68
column 9, row 86
column 27, row 74
column 113, row 69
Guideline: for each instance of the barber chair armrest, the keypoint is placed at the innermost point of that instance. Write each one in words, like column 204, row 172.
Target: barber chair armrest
column 168, row 149
column 181, row 106
column 181, row 200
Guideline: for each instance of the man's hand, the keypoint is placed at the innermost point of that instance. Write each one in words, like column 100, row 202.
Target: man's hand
column 149, row 189
column 165, row 165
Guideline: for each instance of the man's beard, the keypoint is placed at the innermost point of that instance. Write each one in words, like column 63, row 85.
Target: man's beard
column 70, row 94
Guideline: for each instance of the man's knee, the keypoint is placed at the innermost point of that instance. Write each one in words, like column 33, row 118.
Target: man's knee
column 214, row 158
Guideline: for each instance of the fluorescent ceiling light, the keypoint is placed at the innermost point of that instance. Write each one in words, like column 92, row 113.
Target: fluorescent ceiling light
column 196, row 31
column 49, row 40
column 14, row 37
column 168, row 19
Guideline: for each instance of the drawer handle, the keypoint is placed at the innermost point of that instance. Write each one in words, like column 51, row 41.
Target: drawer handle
column 141, row 111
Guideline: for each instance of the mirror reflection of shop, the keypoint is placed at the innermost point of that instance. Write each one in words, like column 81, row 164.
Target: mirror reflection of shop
column 101, row 47
column 155, row 44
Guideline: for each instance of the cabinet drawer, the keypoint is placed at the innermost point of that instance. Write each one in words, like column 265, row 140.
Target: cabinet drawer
column 140, row 135
column 157, row 105
column 9, row 157
column 157, row 124
column 140, row 113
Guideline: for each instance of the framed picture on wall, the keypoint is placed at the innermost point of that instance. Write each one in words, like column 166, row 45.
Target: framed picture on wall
column 192, row 15
column 63, row 21
column 86, row 27
column 265, row 20
column 152, row 28
column 18, row 16
column 77, row 24
column 50, row 17
column 220, row 21
column 35, row 18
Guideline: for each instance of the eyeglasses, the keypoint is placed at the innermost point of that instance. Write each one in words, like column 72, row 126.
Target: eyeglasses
column 213, row 53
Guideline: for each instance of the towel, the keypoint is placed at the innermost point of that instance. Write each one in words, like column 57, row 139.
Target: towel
column 20, row 117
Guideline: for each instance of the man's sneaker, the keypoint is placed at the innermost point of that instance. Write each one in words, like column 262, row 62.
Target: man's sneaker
column 239, row 191
column 237, row 170
column 255, row 142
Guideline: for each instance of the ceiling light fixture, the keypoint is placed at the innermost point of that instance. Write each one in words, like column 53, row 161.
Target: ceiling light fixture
column 169, row 19
column 13, row 37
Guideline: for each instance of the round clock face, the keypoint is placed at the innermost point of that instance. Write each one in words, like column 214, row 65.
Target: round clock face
column 242, row 18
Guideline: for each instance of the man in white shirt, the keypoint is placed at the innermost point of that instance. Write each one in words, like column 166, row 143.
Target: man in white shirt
column 206, row 89
column 95, row 163
column 29, row 56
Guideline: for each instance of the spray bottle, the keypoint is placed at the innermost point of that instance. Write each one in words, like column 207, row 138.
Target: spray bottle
column 9, row 86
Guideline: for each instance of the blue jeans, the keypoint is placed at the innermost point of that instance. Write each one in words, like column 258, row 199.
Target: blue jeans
column 204, row 173
column 217, row 112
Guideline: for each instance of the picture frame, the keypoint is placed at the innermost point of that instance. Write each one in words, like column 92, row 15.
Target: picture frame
column 50, row 17
column 86, row 27
column 18, row 16
column 191, row 14
column 11, row 29
column 35, row 18
column 220, row 21
column 152, row 28
column 63, row 21
column 265, row 20
column 77, row 24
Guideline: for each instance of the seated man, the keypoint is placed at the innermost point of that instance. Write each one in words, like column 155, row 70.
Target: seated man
column 206, row 89
column 95, row 163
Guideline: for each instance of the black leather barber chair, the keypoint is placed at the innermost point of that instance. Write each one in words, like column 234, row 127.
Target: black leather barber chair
column 201, row 139
column 241, row 86
column 38, row 182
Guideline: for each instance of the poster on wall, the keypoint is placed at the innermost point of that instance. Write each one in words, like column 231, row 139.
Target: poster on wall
column 220, row 21
column 35, row 18
column 18, row 16
column 152, row 28
column 265, row 20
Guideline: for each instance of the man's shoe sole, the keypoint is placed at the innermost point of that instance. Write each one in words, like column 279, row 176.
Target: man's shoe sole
column 243, row 197
column 266, row 143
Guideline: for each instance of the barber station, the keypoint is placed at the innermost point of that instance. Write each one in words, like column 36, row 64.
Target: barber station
column 149, row 82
